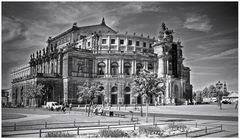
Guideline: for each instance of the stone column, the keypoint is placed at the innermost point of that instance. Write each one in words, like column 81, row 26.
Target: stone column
column 168, row 86
column 57, row 65
column 122, row 67
column 118, row 43
column 132, row 67
column 160, row 67
column 109, row 42
column 65, row 90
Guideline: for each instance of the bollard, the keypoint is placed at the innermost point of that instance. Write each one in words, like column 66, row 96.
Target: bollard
column 196, row 125
column 78, row 131
column 186, row 133
column 108, row 127
column 40, row 133
column 118, row 122
column 74, row 123
column 45, row 124
column 221, row 127
column 205, row 130
column 15, row 127
column 134, row 126
column 98, row 122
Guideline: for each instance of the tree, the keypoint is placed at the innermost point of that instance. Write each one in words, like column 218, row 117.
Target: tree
column 205, row 92
column 199, row 96
column 34, row 91
column 89, row 91
column 212, row 91
column 148, row 84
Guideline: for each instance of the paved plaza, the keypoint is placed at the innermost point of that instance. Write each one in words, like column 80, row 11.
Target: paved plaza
column 39, row 116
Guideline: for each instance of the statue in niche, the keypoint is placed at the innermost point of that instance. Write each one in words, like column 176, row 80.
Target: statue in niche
column 80, row 66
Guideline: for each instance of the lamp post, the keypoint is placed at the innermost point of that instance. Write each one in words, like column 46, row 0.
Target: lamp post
column 219, row 87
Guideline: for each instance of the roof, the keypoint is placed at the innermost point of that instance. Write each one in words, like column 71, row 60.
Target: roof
column 87, row 29
column 233, row 95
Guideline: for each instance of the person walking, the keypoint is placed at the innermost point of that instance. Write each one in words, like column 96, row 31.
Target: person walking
column 236, row 104
column 70, row 107
column 220, row 94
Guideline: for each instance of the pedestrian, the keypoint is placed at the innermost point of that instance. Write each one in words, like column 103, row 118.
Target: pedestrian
column 70, row 107
column 236, row 104
column 63, row 108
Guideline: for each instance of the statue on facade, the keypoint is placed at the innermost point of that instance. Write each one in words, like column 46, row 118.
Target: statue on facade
column 43, row 51
column 165, row 35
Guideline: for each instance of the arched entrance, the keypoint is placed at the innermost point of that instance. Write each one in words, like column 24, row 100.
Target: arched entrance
column 16, row 96
column 138, row 69
column 49, row 95
column 139, row 99
column 176, row 92
column 114, row 95
column 127, row 95
column 100, row 97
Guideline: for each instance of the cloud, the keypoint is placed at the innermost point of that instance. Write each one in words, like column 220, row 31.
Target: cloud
column 198, row 23
column 217, row 34
column 228, row 54
column 12, row 29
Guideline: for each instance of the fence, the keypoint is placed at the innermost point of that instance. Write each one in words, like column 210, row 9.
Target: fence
column 47, row 125
column 205, row 131
column 76, row 129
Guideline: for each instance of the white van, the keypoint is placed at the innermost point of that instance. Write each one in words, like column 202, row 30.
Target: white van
column 55, row 105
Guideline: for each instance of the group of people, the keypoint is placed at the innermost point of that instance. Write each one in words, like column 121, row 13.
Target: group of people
column 97, row 110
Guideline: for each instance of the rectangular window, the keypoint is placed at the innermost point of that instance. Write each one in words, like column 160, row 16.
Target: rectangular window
column 150, row 45
column 129, row 42
column 121, row 42
column 112, row 41
column 104, row 41
column 88, row 43
column 144, row 44
column 137, row 43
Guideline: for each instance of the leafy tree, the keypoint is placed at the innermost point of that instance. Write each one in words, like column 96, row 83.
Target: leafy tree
column 226, row 93
column 212, row 91
column 199, row 96
column 34, row 91
column 89, row 91
column 205, row 92
column 148, row 84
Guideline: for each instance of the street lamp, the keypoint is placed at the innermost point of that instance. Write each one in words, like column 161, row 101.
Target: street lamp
column 219, row 86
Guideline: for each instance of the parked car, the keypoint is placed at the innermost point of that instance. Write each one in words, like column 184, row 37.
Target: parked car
column 214, row 99
column 226, row 100
column 53, row 106
column 206, row 101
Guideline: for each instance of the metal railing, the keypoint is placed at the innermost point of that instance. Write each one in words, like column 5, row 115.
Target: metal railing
column 41, row 131
column 52, row 125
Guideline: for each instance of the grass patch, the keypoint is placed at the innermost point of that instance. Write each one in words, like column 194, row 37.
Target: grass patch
column 6, row 116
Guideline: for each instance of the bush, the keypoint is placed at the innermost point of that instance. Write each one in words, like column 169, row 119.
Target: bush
column 180, row 127
column 150, row 130
column 117, row 133
column 59, row 134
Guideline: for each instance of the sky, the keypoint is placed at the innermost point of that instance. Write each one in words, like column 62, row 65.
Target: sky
column 208, row 31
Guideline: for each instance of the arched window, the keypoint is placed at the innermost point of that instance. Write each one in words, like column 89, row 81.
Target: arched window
column 127, row 68
column 114, row 89
column 127, row 89
column 139, row 67
column 114, row 68
column 150, row 67
column 101, row 68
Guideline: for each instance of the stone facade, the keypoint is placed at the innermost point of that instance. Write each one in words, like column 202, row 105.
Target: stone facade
column 98, row 53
